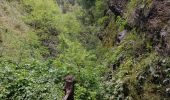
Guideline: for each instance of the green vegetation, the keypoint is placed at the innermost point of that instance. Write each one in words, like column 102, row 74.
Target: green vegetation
column 41, row 43
column 37, row 78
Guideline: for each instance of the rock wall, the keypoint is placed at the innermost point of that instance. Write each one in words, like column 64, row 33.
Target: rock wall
column 144, row 42
column 149, row 16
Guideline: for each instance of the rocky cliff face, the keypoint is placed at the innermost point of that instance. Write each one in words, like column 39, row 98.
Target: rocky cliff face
column 145, row 53
column 149, row 16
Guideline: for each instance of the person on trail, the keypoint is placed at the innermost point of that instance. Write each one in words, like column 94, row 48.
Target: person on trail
column 69, row 88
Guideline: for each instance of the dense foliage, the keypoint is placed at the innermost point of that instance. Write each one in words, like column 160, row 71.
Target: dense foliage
column 43, row 41
column 43, row 77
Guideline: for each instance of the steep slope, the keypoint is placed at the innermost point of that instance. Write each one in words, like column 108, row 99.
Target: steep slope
column 18, row 42
column 116, row 49
column 139, row 32
column 36, row 72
